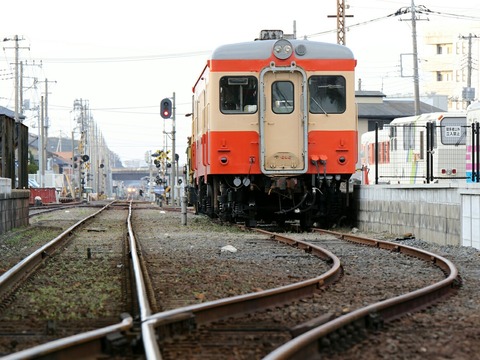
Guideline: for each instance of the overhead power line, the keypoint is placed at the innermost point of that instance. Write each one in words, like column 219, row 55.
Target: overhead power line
column 419, row 9
column 456, row 16
column 349, row 26
column 123, row 58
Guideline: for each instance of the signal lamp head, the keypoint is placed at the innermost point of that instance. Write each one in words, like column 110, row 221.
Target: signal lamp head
column 166, row 108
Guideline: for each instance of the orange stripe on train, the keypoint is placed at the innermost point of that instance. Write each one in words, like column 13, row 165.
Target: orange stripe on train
column 306, row 64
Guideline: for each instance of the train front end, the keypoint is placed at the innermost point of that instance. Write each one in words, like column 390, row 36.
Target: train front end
column 274, row 134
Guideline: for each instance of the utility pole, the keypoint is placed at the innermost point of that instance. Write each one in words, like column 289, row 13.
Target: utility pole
column 341, row 21
column 41, row 147
column 468, row 93
column 45, row 122
column 18, row 90
column 416, row 84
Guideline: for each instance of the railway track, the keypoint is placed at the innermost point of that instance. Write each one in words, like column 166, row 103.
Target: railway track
column 46, row 208
column 169, row 316
column 59, row 291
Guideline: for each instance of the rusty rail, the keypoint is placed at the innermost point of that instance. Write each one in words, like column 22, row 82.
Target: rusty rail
column 169, row 322
column 352, row 327
column 90, row 342
column 14, row 276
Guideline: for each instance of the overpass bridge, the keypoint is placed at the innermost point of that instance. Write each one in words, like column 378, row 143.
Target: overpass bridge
column 131, row 175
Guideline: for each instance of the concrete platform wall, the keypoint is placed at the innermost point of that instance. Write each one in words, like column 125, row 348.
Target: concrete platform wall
column 14, row 209
column 446, row 215
column 471, row 216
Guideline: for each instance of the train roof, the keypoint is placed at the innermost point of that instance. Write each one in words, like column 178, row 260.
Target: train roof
column 262, row 49
column 369, row 136
column 424, row 118
column 474, row 106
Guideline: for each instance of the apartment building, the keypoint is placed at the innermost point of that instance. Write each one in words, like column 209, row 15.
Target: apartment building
column 449, row 65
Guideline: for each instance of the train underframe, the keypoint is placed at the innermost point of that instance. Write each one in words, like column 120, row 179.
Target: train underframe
column 309, row 199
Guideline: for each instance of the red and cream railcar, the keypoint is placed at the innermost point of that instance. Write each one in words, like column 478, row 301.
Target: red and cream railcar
column 274, row 131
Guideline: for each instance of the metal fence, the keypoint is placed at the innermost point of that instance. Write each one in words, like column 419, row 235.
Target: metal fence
column 473, row 154
column 414, row 154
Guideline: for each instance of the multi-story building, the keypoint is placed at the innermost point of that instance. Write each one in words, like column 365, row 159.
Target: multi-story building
column 449, row 65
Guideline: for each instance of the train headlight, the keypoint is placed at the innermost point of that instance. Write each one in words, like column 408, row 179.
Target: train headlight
column 237, row 181
column 282, row 49
column 342, row 160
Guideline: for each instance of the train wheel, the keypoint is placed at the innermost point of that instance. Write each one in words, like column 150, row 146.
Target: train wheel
column 209, row 201
column 196, row 207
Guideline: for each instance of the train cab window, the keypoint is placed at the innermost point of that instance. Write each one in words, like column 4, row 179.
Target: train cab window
column 327, row 94
column 282, row 97
column 238, row 94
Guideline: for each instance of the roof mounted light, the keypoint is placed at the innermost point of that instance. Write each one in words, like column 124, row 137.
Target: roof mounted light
column 282, row 49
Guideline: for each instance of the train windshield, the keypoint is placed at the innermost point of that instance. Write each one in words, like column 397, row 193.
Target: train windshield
column 238, row 94
column 327, row 94
column 282, row 97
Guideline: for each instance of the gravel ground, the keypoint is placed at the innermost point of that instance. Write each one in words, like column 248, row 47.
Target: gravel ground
column 450, row 330
column 445, row 331
column 190, row 264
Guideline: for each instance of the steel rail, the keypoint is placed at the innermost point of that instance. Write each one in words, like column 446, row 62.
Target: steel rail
column 187, row 317
column 10, row 279
column 150, row 343
column 353, row 326
column 65, row 348
column 69, row 347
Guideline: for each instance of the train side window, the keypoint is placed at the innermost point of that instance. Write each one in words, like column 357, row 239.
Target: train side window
column 238, row 94
column 282, row 97
column 408, row 137
column 327, row 94
column 393, row 137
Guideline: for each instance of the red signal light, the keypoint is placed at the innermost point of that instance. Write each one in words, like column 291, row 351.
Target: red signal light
column 166, row 108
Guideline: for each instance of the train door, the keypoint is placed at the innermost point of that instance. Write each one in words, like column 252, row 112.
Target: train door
column 283, row 121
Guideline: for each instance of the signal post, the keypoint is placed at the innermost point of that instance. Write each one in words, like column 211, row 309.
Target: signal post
column 167, row 111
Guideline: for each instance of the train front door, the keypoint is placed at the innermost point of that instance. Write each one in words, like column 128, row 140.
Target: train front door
column 283, row 121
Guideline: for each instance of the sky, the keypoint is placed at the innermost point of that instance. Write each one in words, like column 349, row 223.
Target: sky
column 123, row 57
